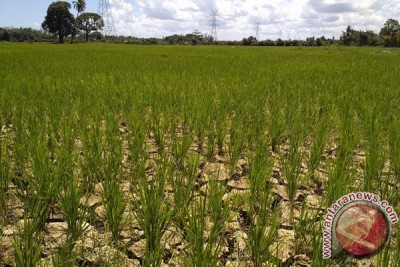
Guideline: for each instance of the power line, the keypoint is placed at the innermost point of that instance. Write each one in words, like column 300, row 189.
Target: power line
column 214, row 24
column 105, row 12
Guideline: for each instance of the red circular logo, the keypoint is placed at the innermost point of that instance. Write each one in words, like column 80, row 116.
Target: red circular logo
column 361, row 229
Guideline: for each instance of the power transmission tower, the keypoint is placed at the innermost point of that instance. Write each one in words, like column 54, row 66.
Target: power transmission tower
column 105, row 12
column 258, row 31
column 214, row 24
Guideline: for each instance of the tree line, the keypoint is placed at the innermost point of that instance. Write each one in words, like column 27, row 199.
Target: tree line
column 60, row 23
column 24, row 35
column 388, row 36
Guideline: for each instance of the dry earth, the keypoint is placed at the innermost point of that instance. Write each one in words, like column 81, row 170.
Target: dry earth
column 96, row 247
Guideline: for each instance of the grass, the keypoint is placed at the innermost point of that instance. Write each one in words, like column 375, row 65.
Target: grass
column 144, row 131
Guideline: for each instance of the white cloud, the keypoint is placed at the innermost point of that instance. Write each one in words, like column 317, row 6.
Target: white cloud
column 237, row 18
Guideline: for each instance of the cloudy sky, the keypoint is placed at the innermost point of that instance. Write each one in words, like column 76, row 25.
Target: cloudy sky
column 237, row 18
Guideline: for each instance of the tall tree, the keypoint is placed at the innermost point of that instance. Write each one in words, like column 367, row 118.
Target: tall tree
column 79, row 6
column 5, row 36
column 89, row 22
column 59, row 20
column 349, row 36
column 390, row 33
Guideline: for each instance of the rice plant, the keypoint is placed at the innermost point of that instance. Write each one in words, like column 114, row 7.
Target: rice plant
column 322, row 130
column 183, row 188
column 152, row 212
column 26, row 245
column 341, row 175
column 204, row 225
column 5, row 176
column 144, row 130
column 76, row 215
column 113, row 198
column 39, row 192
column 91, row 162
column 394, row 146
column 375, row 160
column 263, row 220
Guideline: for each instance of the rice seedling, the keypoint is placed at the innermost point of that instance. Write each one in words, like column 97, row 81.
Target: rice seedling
column 153, row 213
column 112, row 196
column 341, row 175
column 19, row 149
column 218, row 209
column 293, row 157
column 384, row 258
column 263, row 221
column 316, row 247
column 237, row 141
column 114, row 202
column 200, row 129
column 394, row 146
column 91, row 162
column 76, row 215
column 276, row 124
column 5, row 176
column 304, row 227
column 211, row 143
column 39, row 192
column 396, row 249
column 159, row 131
column 181, row 148
column 204, row 225
column 136, row 146
column 69, row 200
column 183, row 184
column 321, row 130
column 291, row 170
column 26, row 245
column 107, row 117
column 221, row 134
column 374, row 159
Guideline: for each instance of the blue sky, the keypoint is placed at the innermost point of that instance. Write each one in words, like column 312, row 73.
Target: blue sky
column 30, row 13
column 237, row 18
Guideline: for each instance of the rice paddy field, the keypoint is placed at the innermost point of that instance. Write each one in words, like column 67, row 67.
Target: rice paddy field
column 118, row 155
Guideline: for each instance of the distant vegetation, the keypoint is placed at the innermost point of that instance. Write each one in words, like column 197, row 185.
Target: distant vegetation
column 24, row 35
column 59, row 24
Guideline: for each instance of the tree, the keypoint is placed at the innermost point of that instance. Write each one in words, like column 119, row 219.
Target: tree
column 95, row 36
column 389, row 32
column 310, row 41
column 347, row 37
column 279, row 42
column 391, row 27
column 321, row 41
column 59, row 20
column 89, row 22
column 249, row 41
column 79, row 6
column 358, row 37
column 5, row 36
